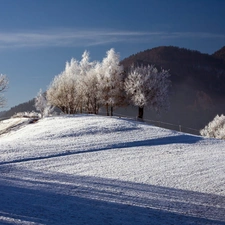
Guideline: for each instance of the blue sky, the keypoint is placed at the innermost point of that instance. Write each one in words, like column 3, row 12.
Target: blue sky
column 37, row 37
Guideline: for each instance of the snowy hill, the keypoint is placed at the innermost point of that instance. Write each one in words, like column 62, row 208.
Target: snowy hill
column 88, row 169
column 12, row 124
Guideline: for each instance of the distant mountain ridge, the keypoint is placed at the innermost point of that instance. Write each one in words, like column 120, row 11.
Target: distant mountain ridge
column 184, row 65
column 23, row 107
column 2, row 113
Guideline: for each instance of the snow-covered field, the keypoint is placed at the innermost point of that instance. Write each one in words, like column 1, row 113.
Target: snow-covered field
column 88, row 169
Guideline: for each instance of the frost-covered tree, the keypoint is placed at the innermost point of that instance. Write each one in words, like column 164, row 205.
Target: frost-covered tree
column 3, row 86
column 215, row 128
column 85, row 85
column 70, row 91
column 85, row 64
column 55, row 93
column 146, row 86
column 62, row 92
column 91, row 91
column 110, row 81
column 42, row 105
column 40, row 102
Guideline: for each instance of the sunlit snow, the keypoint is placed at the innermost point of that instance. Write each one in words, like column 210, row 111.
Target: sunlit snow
column 89, row 169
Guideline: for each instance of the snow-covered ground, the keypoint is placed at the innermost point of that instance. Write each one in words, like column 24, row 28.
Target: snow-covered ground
column 88, row 169
column 12, row 124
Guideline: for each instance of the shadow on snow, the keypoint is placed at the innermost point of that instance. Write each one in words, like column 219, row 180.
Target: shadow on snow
column 179, row 139
column 69, row 199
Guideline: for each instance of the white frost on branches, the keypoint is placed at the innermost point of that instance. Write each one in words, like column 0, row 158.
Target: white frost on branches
column 146, row 86
column 85, row 86
column 62, row 92
column 215, row 128
column 41, row 104
column 110, row 81
column 89, row 87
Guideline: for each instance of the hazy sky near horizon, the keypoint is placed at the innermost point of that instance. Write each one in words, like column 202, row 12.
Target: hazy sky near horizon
column 37, row 37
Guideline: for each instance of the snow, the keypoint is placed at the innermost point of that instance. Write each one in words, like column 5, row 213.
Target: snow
column 88, row 169
column 13, row 123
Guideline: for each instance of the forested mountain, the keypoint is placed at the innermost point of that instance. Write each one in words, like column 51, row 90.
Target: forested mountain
column 198, row 83
column 23, row 107
column 197, row 92
column 190, row 67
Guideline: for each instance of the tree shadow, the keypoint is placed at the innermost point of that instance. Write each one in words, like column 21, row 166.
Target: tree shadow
column 70, row 199
column 177, row 139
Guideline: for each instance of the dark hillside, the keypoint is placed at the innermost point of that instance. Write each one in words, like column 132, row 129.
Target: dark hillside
column 185, row 66
column 220, row 54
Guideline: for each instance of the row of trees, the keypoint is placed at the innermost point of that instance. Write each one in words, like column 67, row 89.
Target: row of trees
column 3, row 86
column 86, row 86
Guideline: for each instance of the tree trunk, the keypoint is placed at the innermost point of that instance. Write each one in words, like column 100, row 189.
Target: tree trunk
column 111, row 111
column 95, row 106
column 107, row 109
column 140, row 112
column 81, row 108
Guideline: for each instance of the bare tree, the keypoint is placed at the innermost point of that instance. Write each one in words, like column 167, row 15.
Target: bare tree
column 42, row 105
column 85, row 85
column 89, row 86
column 70, row 90
column 3, row 87
column 62, row 92
column 146, row 86
column 110, row 81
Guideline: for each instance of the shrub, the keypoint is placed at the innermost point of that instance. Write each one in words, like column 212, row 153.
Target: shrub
column 26, row 115
column 215, row 128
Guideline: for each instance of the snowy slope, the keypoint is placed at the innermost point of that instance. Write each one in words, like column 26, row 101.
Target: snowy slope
column 88, row 169
column 12, row 124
